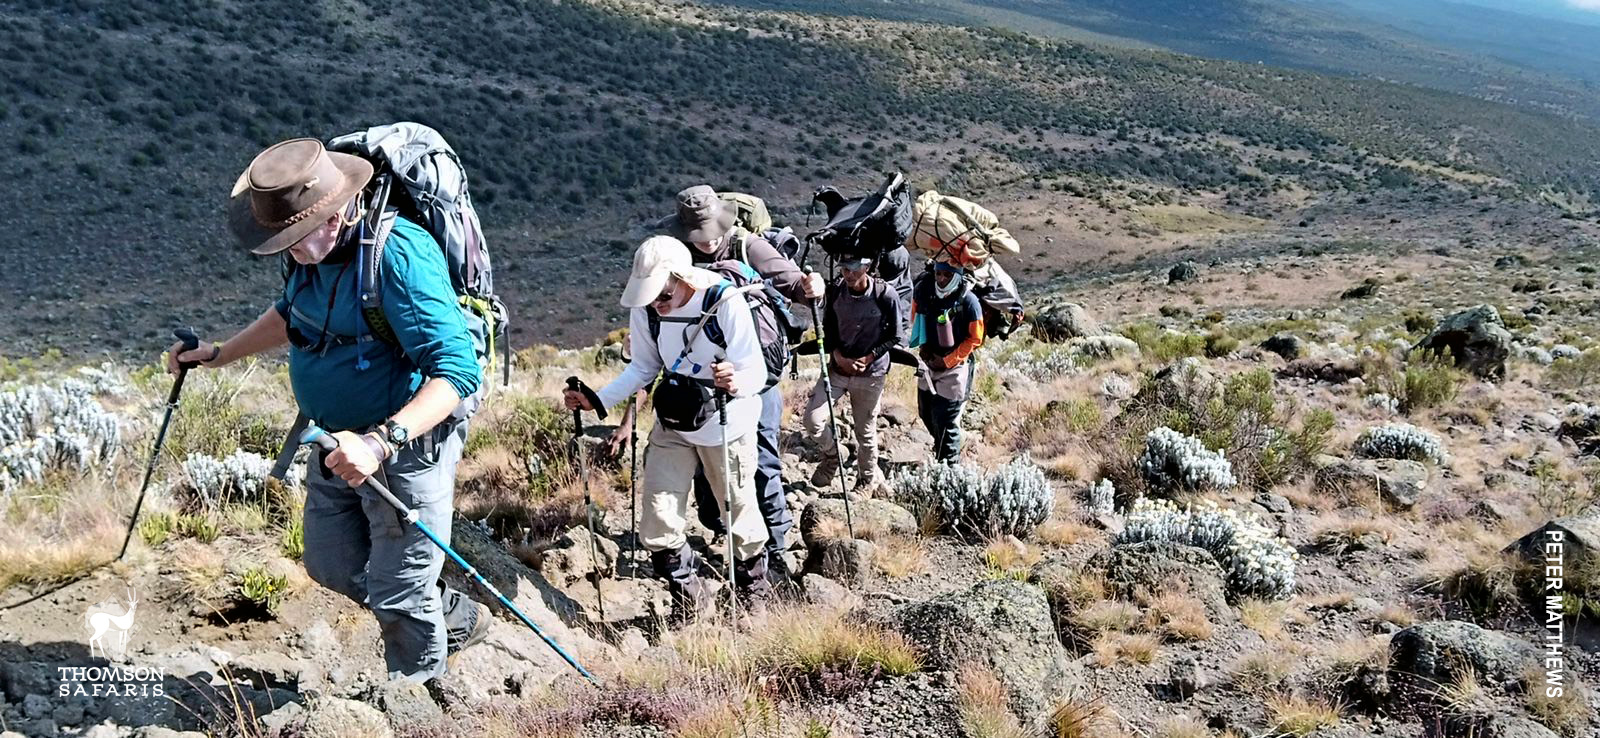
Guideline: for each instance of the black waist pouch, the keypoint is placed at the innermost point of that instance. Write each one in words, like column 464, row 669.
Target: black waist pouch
column 682, row 403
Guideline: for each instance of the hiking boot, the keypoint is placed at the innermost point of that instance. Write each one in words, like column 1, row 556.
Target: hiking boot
column 871, row 486
column 778, row 572
column 692, row 596
column 470, row 631
column 827, row 469
column 755, row 590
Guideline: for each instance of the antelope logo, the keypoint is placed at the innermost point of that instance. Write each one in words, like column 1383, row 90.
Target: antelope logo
column 109, row 628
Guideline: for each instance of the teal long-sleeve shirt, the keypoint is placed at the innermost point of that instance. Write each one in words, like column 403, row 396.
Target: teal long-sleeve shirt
column 420, row 305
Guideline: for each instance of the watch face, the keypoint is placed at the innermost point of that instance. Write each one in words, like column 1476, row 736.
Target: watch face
column 398, row 434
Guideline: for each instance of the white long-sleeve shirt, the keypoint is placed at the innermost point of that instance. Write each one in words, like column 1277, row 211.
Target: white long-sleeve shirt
column 651, row 357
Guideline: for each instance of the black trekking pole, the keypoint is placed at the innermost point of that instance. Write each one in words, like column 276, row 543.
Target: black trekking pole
column 316, row 436
column 190, row 342
column 633, row 483
column 576, row 385
column 833, row 420
column 727, row 503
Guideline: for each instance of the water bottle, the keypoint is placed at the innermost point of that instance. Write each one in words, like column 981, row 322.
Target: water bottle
column 947, row 332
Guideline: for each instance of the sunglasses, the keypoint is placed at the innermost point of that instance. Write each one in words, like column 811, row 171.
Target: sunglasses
column 855, row 266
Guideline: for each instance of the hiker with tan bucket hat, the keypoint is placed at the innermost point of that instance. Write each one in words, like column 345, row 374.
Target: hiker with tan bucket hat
column 703, row 220
column 395, row 406
column 698, row 377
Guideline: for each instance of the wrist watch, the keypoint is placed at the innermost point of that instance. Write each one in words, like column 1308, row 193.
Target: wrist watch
column 395, row 433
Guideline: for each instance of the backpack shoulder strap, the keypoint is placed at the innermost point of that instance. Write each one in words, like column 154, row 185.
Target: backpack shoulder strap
column 371, row 255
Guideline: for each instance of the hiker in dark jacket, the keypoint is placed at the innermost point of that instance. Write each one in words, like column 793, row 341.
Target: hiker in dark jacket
column 708, row 227
column 397, row 409
column 861, row 323
column 947, row 327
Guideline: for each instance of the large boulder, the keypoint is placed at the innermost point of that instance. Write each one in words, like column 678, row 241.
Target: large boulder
column 1183, row 384
column 1432, row 653
column 1400, row 482
column 1287, row 345
column 1064, row 321
column 334, row 718
column 1004, row 625
column 1578, row 536
column 872, row 518
column 512, row 656
column 1183, row 271
column 846, row 560
column 1152, row 567
column 1476, row 338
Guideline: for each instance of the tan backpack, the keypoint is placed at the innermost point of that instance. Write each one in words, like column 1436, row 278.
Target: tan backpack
column 964, row 233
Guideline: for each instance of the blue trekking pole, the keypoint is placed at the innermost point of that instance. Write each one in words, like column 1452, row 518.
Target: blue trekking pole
column 322, row 440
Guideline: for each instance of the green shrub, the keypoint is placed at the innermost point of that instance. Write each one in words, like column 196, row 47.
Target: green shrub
column 263, row 589
column 1576, row 373
column 292, row 541
column 1220, row 344
column 1418, row 322
column 1164, row 345
column 1428, row 384
column 202, row 528
column 156, row 528
column 534, row 429
column 1265, row 439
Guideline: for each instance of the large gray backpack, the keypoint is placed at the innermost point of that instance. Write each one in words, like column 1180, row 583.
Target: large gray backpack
column 416, row 174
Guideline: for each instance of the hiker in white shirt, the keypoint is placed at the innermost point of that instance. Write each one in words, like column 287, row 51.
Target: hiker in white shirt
column 707, row 345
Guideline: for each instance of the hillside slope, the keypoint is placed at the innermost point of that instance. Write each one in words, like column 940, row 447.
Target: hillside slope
column 578, row 120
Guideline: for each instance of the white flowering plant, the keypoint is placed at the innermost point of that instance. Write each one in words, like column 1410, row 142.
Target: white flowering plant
column 59, row 426
column 209, row 483
column 1254, row 560
column 1013, row 500
column 1102, row 498
column 1174, row 463
column 1401, row 441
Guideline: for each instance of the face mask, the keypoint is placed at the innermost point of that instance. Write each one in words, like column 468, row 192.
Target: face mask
column 949, row 289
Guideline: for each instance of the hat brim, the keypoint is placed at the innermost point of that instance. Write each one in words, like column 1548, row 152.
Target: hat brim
column 642, row 291
column 260, row 240
column 705, row 234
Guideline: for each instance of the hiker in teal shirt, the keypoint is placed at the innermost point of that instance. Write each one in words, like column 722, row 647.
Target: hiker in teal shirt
column 397, row 402
column 331, row 345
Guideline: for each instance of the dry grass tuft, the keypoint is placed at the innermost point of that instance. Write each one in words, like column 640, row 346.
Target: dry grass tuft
column 1464, row 693
column 899, row 557
column 1063, row 533
column 1009, row 558
column 1299, row 716
column 984, row 705
column 1566, row 713
column 1079, row 717
column 1181, row 726
column 1113, row 648
column 1176, row 614
column 1264, row 671
column 1401, row 615
column 1107, row 616
column 38, row 561
column 1263, row 616
column 1490, row 581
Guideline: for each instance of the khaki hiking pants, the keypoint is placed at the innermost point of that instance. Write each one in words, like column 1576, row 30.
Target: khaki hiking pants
column 670, row 463
column 866, row 393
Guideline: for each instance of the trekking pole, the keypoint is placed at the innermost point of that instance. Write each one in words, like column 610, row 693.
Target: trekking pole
column 727, row 502
column 633, row 481
column 316, row 436
column 833, row 420
column 577, row 385
column 190, row 342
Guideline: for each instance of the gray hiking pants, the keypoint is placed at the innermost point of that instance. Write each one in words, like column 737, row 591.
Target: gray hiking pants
column 361, row 547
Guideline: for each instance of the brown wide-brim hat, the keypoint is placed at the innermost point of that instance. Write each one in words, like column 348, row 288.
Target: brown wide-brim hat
column 290, row 190
column 700, row 216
